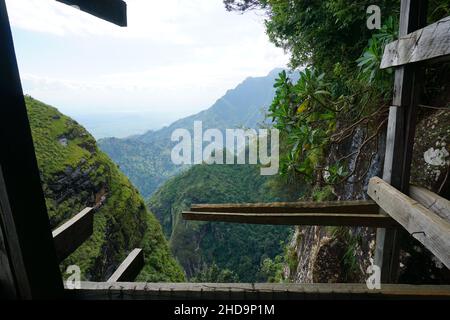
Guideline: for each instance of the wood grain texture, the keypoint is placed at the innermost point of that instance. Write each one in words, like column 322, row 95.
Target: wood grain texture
column 400, row 136
column 129, row 268
column 70, row 235
column 358, row 206
column 431, row 201
column 243, row 291
column 428, row 43
column 424, row 225
column 295, row 219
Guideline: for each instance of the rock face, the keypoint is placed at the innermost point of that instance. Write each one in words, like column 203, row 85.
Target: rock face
column 322, row 254
column 326, row 254
column 75, row 174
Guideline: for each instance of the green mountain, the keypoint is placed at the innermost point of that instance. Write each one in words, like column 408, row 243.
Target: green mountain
column 231, row 252
column 145, row 159
column 76, row 174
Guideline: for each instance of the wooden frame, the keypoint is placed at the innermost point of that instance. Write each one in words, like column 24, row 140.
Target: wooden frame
column 27, row 239
column 129, row 268
column 69, row 236
column 114, row 11
column 423, row 224
column 431, row 201
column 400, row 136
column 358, row 206
column 28, row 260
column 429, row 43
column 295, row 219
column 257, row 291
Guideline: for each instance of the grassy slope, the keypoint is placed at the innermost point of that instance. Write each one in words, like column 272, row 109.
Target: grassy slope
column 121, row 223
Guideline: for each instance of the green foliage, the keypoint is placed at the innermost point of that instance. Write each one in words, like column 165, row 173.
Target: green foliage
column 239, row 248
column 305, row 115
column 75, row 174
column 318, row 32
column 213, row 274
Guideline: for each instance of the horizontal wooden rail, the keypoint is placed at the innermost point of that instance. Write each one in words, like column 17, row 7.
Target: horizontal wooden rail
column 358, row 206
column 423, row 224
column 243, row 291
column 431, row 201
column 295, row 219
column 428, row 43
column 114, row 11
column 69, row 236
column 129, row 268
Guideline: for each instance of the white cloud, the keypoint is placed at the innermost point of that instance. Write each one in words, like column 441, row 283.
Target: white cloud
column 188, row 53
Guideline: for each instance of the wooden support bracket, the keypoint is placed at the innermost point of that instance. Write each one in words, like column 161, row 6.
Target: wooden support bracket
column 69, row 236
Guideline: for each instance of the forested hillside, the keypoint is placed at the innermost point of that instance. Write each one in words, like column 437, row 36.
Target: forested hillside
column 333, row 121
column 221, row 252
column 145, row 159
column 76, row 174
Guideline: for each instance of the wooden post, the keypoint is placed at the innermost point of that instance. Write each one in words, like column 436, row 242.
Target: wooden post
column 130, row 268
column 28, row 242
column 73, row 233
column 400, row 136
column 114, row 11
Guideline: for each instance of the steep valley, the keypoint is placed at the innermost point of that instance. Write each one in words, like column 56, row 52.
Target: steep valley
column 76, row 174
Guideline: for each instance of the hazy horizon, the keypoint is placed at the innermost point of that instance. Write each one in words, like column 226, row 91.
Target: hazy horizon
column 175, row 59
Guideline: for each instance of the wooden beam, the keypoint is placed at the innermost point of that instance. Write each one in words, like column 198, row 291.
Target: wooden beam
column 400, row 136
column 114, row 11
column 359, row 207
column 24, row 220
column 428, row 43
column 129, row 268
column 247, row 291
column 295, row 219
column 424, row 225
column 431, row 201
column 69, row 236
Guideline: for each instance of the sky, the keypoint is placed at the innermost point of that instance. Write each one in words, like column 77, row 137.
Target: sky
column 175, row 58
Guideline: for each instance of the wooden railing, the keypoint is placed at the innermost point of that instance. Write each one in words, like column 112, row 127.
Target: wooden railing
column 73, row 233
column 329, row 213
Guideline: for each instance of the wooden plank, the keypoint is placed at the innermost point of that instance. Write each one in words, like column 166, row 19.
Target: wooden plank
column 129, row 268
column 26, row 226
column 114, row 11
column 424, row 225
column 8, row 285
column 431, row 201
column 69, row 236
column 247, row 291
column 359, row 207
column 400, row 136
column 295, row 219
column 428, row 43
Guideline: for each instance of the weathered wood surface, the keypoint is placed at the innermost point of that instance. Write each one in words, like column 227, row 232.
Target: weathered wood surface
column 70, row 235
column 114, row 11
column 295, row 219
column 129, row 268
column 428, row 43
column 424, row 225
column 400, row 136
column 431, row 200
column 358, row 206
column 260, row 291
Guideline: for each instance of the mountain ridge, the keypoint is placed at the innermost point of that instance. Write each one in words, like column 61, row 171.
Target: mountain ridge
column 145, row 158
